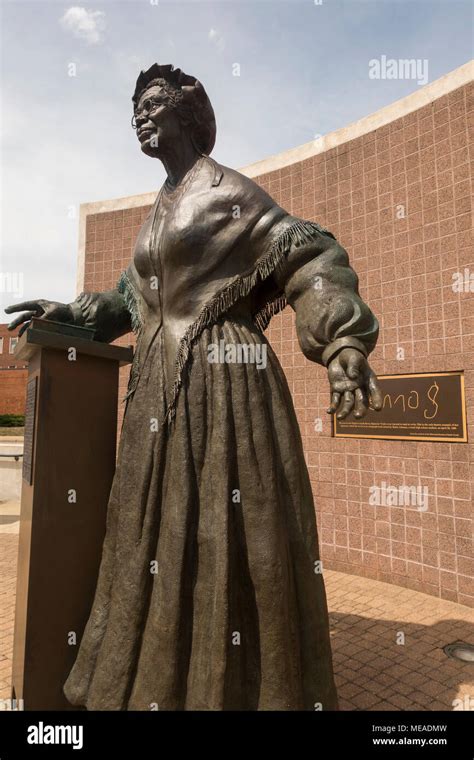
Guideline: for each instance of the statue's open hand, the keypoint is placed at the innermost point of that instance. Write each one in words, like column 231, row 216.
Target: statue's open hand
column 59, row 312
column 353, row 385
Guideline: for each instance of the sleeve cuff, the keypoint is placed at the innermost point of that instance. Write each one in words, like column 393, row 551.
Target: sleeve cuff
column 338, row 345
column 77, row 312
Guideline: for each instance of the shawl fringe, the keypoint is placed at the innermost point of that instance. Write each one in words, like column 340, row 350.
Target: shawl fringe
column 127, row 289
column 263, row 317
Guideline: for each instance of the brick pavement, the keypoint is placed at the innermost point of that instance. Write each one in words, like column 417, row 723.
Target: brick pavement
column 373, row 671
column 8, row 558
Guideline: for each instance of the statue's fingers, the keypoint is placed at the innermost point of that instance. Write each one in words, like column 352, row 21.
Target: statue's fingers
column 22, row 329
column 22, row 318
column 361, row 404
column 24, row 306
column 353, row 365
column 346, row 406
column 335, row 399
column 375, row 392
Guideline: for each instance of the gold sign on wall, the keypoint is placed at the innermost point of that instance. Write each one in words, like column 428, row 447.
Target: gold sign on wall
column 417, row 407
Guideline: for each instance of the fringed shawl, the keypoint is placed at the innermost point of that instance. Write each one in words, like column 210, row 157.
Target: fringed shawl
column 298, row 233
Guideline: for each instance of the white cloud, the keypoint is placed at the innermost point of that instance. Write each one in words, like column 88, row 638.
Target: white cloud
column 84, row 24
column 217, row 38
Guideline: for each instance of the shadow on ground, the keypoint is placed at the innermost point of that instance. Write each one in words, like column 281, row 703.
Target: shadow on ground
column 374, row 672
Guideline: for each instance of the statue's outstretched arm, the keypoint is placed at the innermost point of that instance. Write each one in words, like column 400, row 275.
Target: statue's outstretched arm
column 335, row 327
column 106, row 313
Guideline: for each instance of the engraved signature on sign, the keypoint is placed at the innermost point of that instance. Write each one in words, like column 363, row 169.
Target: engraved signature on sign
column 411, row 400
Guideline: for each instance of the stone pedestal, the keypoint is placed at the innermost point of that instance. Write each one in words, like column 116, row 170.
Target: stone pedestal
column 69, row 463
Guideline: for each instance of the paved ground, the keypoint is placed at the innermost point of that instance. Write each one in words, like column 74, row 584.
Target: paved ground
column 368, row 618
column 373, row 671
column 8, row 556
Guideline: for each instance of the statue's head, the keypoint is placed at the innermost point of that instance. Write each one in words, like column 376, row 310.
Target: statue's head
column 168, row 106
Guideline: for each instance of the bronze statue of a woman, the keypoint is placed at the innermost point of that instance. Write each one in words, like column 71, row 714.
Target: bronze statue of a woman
column 209, row 595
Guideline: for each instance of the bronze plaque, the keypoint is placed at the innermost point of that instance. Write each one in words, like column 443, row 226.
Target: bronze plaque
column 28, row 445
column 424, row 406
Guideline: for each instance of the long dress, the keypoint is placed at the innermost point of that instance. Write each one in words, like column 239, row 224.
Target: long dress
column 209, row 595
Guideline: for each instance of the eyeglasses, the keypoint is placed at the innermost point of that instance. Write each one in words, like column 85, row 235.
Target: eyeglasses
column 148, row 106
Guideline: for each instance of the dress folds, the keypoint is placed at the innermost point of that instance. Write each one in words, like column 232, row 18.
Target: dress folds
column 209, row 595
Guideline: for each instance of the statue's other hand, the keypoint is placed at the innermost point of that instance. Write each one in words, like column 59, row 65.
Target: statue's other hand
column 59, row 312
column 354, row 385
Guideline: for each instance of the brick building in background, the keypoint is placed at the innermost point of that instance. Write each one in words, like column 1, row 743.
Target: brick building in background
column 13, row 374
column 414, row 155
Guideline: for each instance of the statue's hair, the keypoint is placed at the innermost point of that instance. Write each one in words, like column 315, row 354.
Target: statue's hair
column 173, row 98
column 174, row 95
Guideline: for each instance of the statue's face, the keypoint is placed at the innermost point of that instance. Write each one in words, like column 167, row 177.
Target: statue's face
column 157, row 123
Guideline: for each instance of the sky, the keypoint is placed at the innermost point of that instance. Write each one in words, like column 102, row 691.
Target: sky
column 68, row 71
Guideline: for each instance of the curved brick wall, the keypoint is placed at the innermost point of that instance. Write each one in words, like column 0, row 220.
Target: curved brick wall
column 405, row 266
column 422, row 160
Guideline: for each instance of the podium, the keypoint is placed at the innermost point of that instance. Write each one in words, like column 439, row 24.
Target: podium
column 68, row 467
